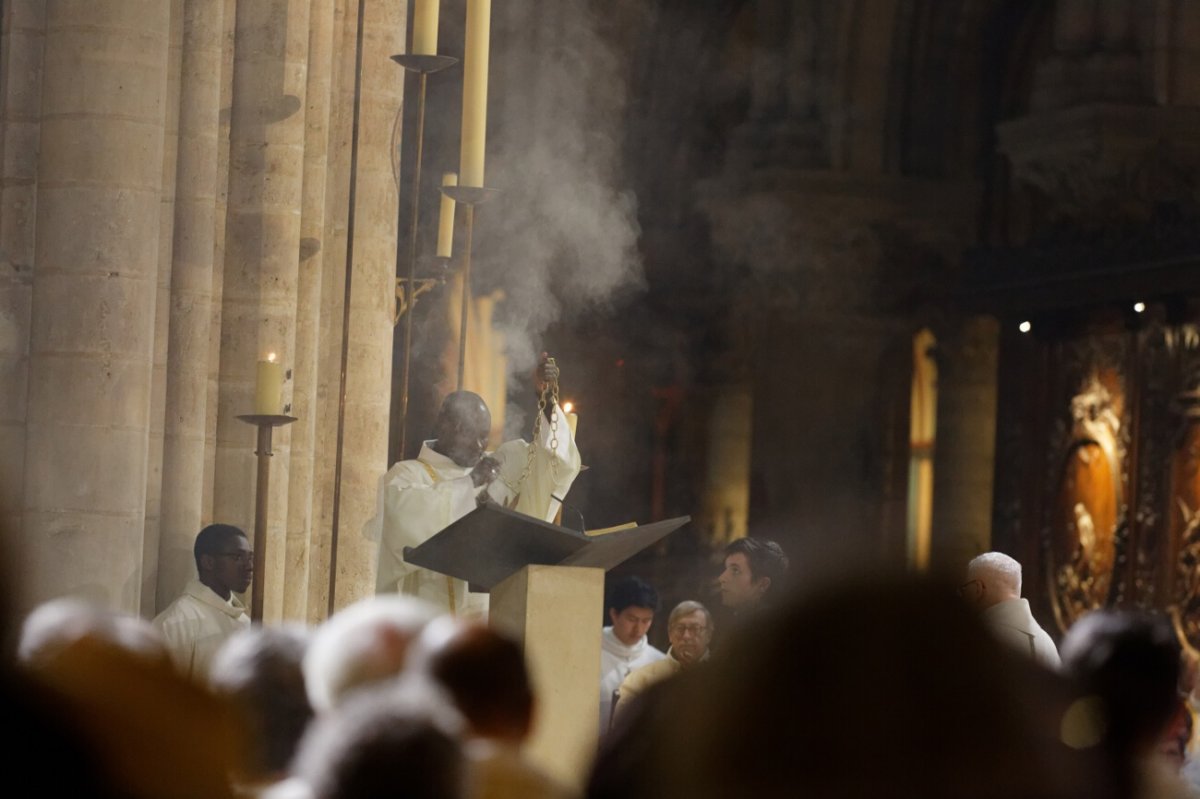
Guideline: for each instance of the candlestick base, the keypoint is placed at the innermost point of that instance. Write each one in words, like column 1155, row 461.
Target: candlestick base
column 425, row 64
column 268, row 419
column 470, row 195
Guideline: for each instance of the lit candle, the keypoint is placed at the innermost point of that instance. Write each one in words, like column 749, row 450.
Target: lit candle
column 572, row 418
column 475, row 85
column 268, row 387
column 425, row 27
column 446, row 219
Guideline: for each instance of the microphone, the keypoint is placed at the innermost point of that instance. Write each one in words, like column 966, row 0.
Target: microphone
column 573, row 509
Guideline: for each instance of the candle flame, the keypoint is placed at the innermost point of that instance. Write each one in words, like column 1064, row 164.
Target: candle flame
column 271, row 357
column 568, row 406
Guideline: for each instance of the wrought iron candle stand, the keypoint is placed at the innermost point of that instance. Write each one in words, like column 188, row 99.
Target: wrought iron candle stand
column 265, row 423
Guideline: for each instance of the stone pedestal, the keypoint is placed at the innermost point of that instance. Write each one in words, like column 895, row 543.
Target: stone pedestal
column 552, row 611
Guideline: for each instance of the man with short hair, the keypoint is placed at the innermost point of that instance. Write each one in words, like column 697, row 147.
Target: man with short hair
column 754, row 570
column 993, row 587
column 690, row 630
column 624, row 646
column 453, row 473
column 196, row 624
column 486, row 677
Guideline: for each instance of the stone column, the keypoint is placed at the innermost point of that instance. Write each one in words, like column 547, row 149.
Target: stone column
column 221, row 203
column 964, row 454
column 190, row 297
column 333, row 263
column 104, row 85
column 266, row 155
column 162, row 316
column 368, row 388
column 21, row 38
column 308, row 310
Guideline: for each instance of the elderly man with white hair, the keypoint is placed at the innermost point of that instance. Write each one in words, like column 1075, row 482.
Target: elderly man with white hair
column 993, row 587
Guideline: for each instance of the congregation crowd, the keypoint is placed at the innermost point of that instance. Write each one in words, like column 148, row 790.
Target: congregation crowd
column 888, row 686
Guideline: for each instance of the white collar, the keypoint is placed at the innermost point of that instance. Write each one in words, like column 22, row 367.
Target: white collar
column 610, row 642
column 202, row 593
column 437, row 460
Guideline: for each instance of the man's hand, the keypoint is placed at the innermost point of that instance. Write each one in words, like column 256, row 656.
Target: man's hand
column 547, row 372
column 487, row 470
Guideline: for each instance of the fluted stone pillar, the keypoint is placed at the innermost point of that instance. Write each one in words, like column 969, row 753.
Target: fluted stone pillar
column 333, row 262
column 220, row 206
column 368, row 388
column 101, row 139
column 190, row 297
column 308, row 310
column 964, row 454
column 262, row 246
column 21, row 38
column 162, row 316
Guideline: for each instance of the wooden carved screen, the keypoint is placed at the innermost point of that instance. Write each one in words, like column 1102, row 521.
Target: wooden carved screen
column 1098, row 469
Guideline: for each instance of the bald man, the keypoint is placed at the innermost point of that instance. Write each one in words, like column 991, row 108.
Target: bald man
column 453, row 473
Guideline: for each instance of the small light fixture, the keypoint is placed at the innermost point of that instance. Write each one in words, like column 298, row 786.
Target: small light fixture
column 1025, row 326
column 568, row 406
column 1139, row 307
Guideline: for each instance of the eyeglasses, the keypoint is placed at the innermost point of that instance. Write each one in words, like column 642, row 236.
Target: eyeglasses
column 693, row 629
column 240, row 557
column 962, row 589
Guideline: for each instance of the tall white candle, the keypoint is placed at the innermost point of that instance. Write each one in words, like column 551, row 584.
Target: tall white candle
column 425, row 27
column 445, row 244
column 268, row 387
column 475, row 85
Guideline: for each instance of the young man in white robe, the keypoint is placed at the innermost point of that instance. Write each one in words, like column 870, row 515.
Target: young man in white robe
column 453, row 473
column 993, row 587
column 624, row 645
column 196, row 624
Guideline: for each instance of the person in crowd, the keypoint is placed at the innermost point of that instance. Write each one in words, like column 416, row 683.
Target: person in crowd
column 360, row 645
column 1131, row 663
column 397, row 739
column 113, row 677
column 754, row 572
column 453, row 473
column 624, row 645
column 993, row 587
column 207, row 612
column 485, row 675
column 690, row 630
column 259, row 671
column 881, row 686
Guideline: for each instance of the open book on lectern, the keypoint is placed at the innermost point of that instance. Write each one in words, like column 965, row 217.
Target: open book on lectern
column 492, row 542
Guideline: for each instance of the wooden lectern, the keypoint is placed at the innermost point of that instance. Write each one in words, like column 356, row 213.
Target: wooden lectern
column 547, row 592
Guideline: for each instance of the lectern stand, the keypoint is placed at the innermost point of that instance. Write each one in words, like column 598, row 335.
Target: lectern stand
column 547, row 592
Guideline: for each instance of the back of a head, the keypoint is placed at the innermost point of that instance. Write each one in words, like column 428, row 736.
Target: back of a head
column 999, row 570
column 766, row 559
column 1132, row 662
column 259, row 670
column 631, row 592
column 483, row 672
column 393, row 741
column 838, row 693
column 67, row 625
column 362, row 644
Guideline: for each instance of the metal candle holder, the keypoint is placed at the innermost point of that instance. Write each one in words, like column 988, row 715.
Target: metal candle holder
column 469, row 196
column 262, row 499
column 423, row 65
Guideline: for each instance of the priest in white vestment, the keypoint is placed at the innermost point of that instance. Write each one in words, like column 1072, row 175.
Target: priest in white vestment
column 196, row 624
column 624, row 645
column 453, row 473
column 994, row 587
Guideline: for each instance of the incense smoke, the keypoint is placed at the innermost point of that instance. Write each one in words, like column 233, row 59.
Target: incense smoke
column 562, row 238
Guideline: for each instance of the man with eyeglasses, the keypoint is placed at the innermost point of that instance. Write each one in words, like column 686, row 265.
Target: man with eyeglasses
column 690, row 630
column 196, row 624
column 993, row 587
